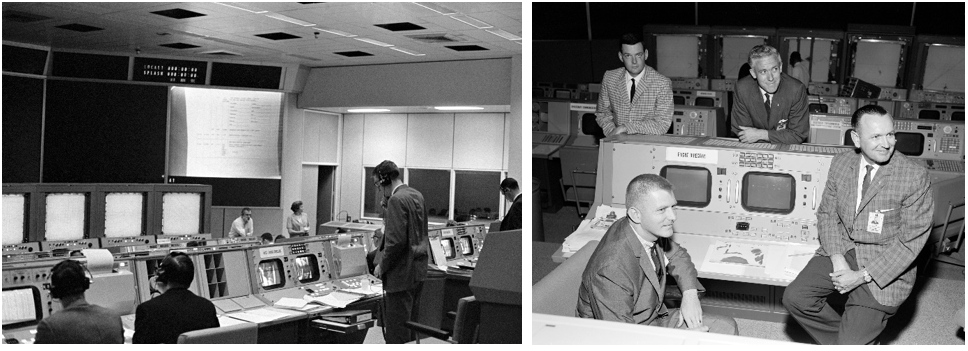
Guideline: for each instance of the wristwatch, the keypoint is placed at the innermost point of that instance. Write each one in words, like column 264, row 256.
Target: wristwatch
column 867, row 276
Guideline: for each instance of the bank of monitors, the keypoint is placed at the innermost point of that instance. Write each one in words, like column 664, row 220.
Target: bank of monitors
column 930, row 111
column 724, row 187
column 705, row 98
column 699, row 121
column 456, row 245
column 831, row 105
column 938, row 140
column 288, row 265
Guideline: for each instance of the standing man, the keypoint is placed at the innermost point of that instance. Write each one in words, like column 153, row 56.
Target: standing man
column 635, row 99
column 769, row 106
column 404, row 249
column 625, row 279
column 511, row 192
column 78, row 322
column 873, row 220
column 177, row 310
column 242, row 226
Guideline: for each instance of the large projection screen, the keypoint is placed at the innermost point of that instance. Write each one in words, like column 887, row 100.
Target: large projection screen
column 221, row 133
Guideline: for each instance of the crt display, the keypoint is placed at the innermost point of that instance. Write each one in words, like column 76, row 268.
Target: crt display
column 678, row 100
column 691, row 185
column 929, row 114
column 958, row 116
column 705, row 101
column 466, row 245
column 21, row 306
column 817, row 108
column 448, row 245
column 270, row 274
column 307, row 268
column 911, row 144
column 769, row 192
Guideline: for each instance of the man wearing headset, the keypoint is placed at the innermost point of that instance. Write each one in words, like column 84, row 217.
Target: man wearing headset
column 78, row 322
column 511, row 192
column 404, row 249
column 176, row 310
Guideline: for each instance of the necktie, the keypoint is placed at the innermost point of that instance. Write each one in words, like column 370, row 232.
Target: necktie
column 659, row 268
column 767, row 104
column 867, row 182
column 632, row 94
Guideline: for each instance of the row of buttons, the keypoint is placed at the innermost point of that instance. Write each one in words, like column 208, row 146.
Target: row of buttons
column 751, row 159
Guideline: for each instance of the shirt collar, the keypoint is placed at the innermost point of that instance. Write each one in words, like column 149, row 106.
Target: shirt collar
column 864, row 163
column 764, row 91
column 638, row 77
column 646, row 244
column 395, row 189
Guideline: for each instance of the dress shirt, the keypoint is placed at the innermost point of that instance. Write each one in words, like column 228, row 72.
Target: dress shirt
column 648, row 246
column 860, row 179
column 628, row 83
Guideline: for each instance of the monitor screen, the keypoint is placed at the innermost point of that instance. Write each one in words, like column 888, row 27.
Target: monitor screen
column 21, row 306
column 929, row 114
column 66, row 216
column 911, row 144
column 271, row 274
column 847, row 139
column 307, row 268
column 466, row 245
column 705, row 101
column 181, row 213
column 678, row 100
column 14, row 218
column 958, row 116
column 124, row 214
column 817, row 108
column 448, row 245
column 691, row 185
column 769, row 192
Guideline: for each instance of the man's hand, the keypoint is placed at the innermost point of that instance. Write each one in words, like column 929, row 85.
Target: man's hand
column 377, row 271
column 752, row 135
column 847, row 280
column 691, row 312
column 619, row 130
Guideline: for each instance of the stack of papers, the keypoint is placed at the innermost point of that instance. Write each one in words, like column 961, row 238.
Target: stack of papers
column 591, row 229
column 336, row 299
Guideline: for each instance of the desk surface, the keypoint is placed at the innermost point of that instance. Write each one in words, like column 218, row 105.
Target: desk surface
column 557, row 330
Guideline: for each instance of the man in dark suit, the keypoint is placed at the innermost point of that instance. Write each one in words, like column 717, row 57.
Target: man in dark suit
column 769, row 105
column 78, row 322
column 511, row 192
column 176, row 310
column 635, row 99
column 404, row 248
column 625, row 278
column 873, row 220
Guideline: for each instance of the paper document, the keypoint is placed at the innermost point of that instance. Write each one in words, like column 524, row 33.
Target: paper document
column 290, row 303
column 260, row 315
column 366, row 291
column 225, row 321
column 735, row 258
column 336, row 299
column 796, row 259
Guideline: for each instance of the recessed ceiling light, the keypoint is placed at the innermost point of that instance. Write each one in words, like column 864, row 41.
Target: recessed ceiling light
column 374, row 42
column 503, row 34
column 476, row 23
column 457, row 108
column 242, row 6
column 337, row 32
column 408, row 52
column 436, row 8
column 367, row 110
column 290, row 19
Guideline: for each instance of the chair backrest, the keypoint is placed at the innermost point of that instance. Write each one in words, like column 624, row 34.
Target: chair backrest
column 244, row 333
column 468, row 319
column 557, row 293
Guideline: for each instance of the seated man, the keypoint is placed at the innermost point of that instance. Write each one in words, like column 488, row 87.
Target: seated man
column 267, row 239
column 769, row 106
column 625, row 278
column 176, row 310
column 78, row 322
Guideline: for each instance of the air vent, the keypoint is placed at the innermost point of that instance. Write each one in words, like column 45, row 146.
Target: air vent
column 466, row 48
column 277, row 36
column 400, row 26
column 178, row 13
column 22, row 17
column 221, row 53
column 79, row 28
column 180, row 46
column 353, row 53
column 438, row 38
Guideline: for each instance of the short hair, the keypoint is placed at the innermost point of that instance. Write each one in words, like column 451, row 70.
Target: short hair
column 295, row 205
column 280, row 236
column 865, row 110
column 642, row 185
column 795, row 57
column 67, row 278
column 628, row 39
column 509, row 183
column 761, row 51
column 386, row 169
column 245, row 209
column 744, row 71
column 177, row 268
column 267, row 236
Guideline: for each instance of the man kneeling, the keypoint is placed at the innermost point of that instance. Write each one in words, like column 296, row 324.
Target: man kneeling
column 625, row 278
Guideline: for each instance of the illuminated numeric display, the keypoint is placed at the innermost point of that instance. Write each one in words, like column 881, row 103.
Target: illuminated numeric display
column 169, row 71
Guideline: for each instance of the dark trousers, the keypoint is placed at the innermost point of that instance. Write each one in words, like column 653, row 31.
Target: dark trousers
column 400, row 307
column 806, row 299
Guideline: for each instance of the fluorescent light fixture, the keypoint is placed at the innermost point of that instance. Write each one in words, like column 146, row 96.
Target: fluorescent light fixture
column 367, row 110
column 290, row 20
column 457, row 108
column 436, row 8
column 503, row 34
column 407, row 51
column 473, row 22
column 337, row 32
column 239, row 6
column 374, row 42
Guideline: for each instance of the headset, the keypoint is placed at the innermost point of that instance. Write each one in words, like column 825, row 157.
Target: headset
column 72, row 284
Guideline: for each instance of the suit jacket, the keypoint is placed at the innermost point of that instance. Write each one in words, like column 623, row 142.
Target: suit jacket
column 512, row 220
column 901, row 190
column 649, row 113
column 406, row 242
column 81, row 324
column 619, row 282
column 162, row 319
column 788, row 108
